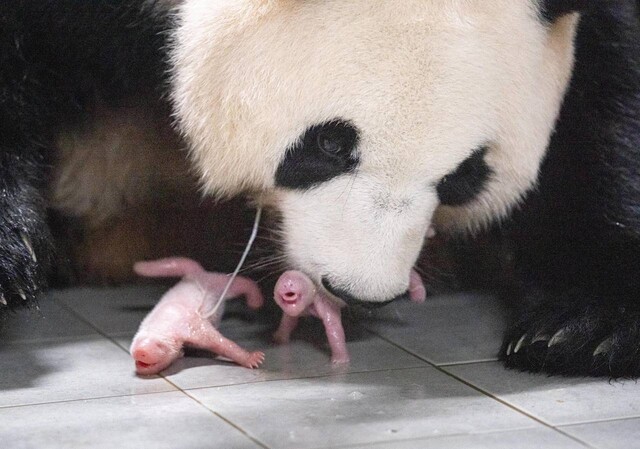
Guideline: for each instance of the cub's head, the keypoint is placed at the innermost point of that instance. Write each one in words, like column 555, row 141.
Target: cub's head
column 366, row 122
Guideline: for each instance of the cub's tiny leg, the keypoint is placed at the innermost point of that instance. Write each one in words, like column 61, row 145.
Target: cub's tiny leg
column 212, row 340
column 287, row 325
column 330, row 315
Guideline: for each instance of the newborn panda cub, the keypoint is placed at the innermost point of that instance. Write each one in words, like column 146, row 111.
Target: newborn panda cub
column 297, row 296
column 181, row 317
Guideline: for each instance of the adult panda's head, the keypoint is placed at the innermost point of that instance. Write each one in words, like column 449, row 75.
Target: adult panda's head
column 365, row 122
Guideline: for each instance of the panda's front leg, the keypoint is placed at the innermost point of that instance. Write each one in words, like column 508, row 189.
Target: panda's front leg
column 575, row 333
column 25, row 241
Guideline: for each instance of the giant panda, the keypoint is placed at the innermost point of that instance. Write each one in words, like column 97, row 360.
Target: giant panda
column 364, row 124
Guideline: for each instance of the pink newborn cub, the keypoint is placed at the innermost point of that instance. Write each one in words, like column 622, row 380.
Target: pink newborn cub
column 177, row 321
column 297, row 296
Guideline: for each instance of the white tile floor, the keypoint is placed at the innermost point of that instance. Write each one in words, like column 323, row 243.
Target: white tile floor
column 422, row 376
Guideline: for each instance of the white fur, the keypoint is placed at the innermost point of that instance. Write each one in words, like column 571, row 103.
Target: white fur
column 425, row 81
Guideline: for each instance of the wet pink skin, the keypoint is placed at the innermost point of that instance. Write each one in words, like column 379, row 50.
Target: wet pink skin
column 297, row 296
column 417, row 290
column 177, row 322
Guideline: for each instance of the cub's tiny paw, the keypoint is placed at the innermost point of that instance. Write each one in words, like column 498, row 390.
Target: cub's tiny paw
column 254, row 360
column 340, row 360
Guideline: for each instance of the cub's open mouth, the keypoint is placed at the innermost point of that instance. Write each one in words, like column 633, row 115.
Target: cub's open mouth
column 290, row 298
column 140, row 364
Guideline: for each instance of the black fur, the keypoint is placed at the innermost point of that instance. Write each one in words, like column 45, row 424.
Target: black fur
column 466, row 182
column 323, row 152
column 552, row 9
column 578, row 238
column 57, row 59
column 351, row 300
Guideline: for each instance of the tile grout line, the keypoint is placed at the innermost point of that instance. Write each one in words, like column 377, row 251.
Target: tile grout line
column 470, row 362
column 396, row 345
column 308, row 377
column 605, row 420
column 89, row 323
column 104, row 334
column 518, row 410
column 429, row 439
column 115, row 342
column 218, row 415
column 49, row 340
column 408, row 351
column 486, row 393
column 225, row 419
column 94, row 398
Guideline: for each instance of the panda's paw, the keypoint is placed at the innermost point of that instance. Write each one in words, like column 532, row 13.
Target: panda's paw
column 25, row 255
column 576, row 337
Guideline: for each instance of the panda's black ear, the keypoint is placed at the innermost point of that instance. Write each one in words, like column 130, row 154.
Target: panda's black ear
column 552, row 9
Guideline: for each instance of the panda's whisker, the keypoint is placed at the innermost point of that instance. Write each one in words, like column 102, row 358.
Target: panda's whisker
column 265, row 263
column 254, row 252
column 271, row 239
column 346, row 188
column 277, row 233
column 272, row 274
column 350, row 189
column 265, row 260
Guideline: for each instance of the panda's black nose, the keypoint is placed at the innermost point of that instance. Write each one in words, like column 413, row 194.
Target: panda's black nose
column 351, row 300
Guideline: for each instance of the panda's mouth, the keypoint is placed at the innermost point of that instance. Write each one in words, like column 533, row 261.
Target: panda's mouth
column 352, row 301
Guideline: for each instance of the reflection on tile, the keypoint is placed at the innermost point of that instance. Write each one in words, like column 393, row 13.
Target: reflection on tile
column 307, row 355
column 445, row 329
column 609, row 434
column 64, row 385
column 359, row 408
column 520, row 439
column 66, row 370
column 51, row 322
column 168, row 420
column 556, row 400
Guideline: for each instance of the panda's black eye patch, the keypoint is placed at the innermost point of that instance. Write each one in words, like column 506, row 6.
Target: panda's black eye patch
column 466, row 182
column 324, row 152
